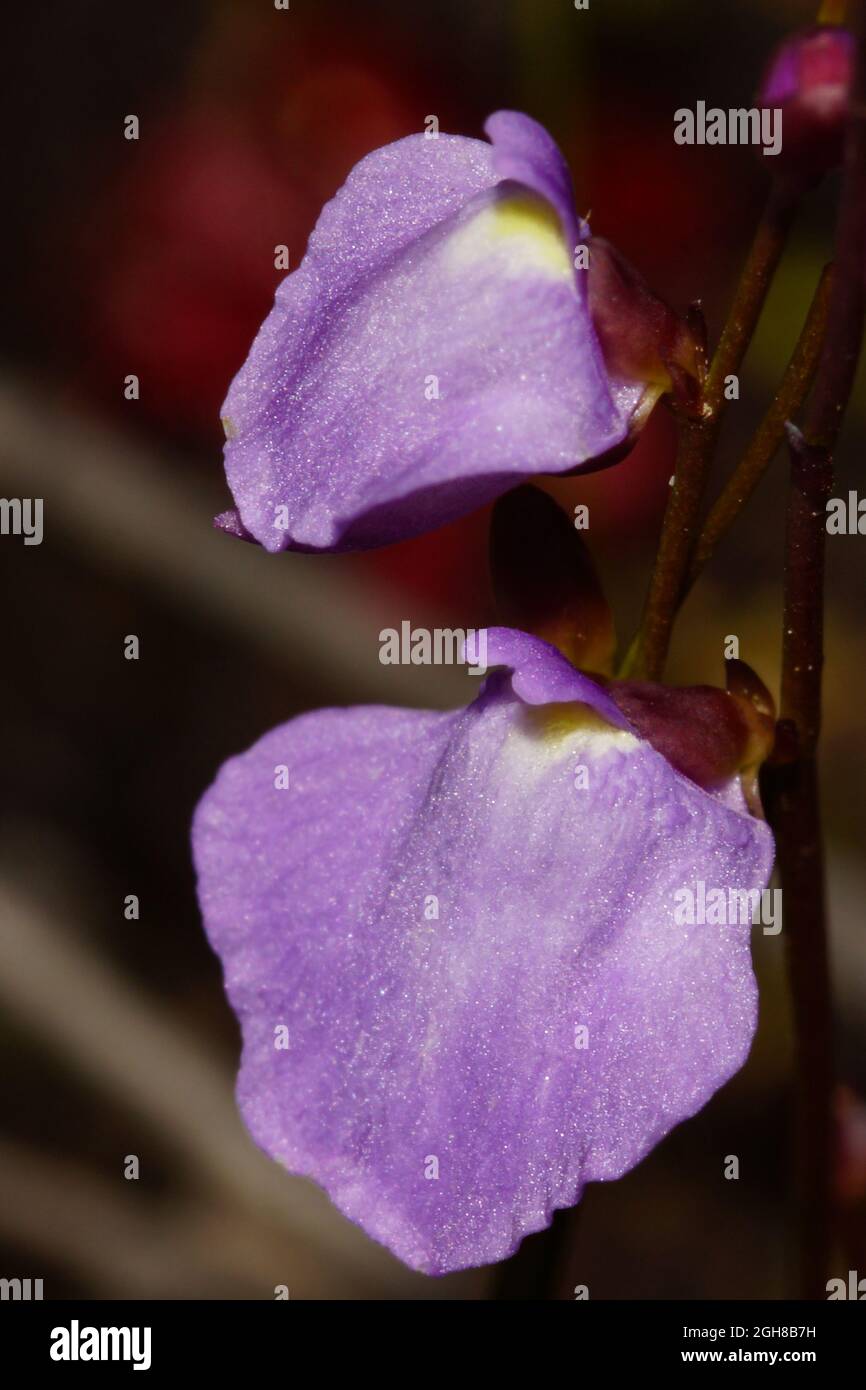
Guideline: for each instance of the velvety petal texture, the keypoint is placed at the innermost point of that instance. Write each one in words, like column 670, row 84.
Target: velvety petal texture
column 452, row 945
column 434, row 348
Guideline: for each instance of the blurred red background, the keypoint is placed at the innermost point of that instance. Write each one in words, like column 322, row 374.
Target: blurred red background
column 156, row 257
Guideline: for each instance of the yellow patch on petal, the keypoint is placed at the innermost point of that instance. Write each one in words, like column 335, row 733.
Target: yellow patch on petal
column 521, row 233
column 565, row 718
column 562, row 733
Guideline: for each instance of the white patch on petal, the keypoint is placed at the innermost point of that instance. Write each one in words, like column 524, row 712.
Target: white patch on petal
column 519, row 234
column 537, row 752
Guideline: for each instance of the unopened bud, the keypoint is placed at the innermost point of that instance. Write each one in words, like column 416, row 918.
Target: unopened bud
column 642, row 338
column 709, row 735
column 809, row 79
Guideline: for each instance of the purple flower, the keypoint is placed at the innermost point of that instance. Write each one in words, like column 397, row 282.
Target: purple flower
column 453, row 944
column 434, row 348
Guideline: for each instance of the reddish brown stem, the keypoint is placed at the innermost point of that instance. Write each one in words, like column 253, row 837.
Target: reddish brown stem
column 792, row 392
column 793, row 808
column 792, row 784
column 698, row 437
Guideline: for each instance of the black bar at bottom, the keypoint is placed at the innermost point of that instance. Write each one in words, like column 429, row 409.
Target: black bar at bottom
column 163, row 1339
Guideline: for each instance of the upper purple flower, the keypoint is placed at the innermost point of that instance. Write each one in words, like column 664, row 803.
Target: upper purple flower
column 454, row 946
column 434, row 348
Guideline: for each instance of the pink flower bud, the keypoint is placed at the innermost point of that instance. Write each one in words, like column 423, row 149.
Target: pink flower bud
column 809, row 79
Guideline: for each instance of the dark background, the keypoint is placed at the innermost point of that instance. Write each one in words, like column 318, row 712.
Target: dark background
column 155, row 257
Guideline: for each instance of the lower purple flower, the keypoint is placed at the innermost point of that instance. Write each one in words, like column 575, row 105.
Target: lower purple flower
column 453, row 946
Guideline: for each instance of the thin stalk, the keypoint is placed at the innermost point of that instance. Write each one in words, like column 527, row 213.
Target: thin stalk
column 793, row 809
column 699, row 434
column 770, row 434
column 793, row 802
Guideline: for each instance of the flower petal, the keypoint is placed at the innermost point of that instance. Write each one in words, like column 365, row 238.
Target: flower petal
column 525, row 152
column 434, row 348
column 434, row 911
column 541, row 675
